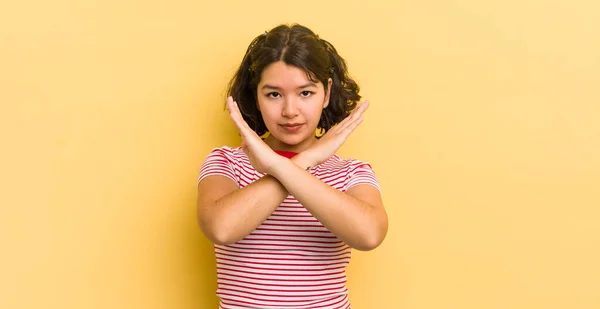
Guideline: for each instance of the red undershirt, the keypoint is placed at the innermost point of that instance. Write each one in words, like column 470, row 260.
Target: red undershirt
column 287, row 154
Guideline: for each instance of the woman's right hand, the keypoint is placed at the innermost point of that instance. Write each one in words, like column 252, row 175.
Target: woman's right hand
column 325, row 147
column 261, row 156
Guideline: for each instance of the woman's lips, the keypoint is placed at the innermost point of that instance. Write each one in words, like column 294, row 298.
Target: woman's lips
column 292, row 127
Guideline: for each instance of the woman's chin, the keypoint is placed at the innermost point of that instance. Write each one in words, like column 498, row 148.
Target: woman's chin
column 290, row 140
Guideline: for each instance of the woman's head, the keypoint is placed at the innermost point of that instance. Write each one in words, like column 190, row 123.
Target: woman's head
column 282, row 54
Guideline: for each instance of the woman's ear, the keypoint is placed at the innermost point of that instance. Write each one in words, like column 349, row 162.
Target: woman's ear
column 327, row 93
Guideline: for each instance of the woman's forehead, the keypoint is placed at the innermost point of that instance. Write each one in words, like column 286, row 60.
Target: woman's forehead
column 286, row 77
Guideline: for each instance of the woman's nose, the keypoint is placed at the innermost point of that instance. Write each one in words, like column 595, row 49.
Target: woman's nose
column 290, row 108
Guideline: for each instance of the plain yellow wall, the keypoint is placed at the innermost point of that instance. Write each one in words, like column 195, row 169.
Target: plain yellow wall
column 484, row 130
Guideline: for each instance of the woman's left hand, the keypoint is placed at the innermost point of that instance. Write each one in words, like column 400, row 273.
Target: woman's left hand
column 329, row 143
column 261, row 156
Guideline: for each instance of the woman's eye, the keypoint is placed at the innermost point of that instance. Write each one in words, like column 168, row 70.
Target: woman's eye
column 273, row 95
column 306, row 93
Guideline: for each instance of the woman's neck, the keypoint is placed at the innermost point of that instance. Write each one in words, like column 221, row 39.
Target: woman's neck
column 278, row 145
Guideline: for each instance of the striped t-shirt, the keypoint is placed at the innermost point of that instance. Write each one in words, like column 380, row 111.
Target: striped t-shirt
column 291, row 261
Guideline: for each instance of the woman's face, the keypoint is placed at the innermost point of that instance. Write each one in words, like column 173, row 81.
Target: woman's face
column 291, row 106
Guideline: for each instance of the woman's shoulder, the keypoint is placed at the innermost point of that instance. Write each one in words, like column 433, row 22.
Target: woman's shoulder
column 337, row 162
column 354, row 172
column 233, row 154
column 228, row 149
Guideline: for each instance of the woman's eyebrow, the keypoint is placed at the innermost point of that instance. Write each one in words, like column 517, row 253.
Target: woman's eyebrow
column 311, row 84
column 308, row 85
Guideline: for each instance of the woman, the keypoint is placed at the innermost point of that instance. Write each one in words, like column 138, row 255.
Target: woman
column 285, row 211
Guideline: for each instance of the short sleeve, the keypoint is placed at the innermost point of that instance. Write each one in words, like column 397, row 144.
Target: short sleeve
column 361, row 173
column 218, row 163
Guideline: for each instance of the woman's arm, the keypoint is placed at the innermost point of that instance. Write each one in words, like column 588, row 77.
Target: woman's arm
column 227, row 214
column 357, row 217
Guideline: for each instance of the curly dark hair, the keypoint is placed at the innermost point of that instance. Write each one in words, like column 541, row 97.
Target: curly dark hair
column 298, row 46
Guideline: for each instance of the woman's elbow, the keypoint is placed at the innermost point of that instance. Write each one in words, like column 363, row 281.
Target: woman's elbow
column 372, row 240
column 217, row 235
column 369, row 244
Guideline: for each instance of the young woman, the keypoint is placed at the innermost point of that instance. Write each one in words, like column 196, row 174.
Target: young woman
column 285, row 211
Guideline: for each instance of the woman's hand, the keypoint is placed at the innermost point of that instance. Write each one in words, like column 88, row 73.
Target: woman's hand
column 329, row 143
column 261, row 156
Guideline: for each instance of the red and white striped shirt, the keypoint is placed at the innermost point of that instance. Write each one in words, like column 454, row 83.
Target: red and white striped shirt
column 291, row 261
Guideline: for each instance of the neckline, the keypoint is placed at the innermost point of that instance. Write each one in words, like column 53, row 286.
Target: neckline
column 284, row 153
column 287, row 154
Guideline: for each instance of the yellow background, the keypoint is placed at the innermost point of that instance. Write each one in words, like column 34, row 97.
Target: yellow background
column 484, row 130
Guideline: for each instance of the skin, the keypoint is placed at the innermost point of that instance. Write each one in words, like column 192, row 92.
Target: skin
column 286, row 96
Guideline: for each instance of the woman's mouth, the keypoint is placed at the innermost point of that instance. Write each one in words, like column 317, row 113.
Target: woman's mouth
column 292, row 127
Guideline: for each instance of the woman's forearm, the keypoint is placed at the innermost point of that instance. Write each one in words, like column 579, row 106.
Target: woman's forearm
column 355, row 222
column 235, row 215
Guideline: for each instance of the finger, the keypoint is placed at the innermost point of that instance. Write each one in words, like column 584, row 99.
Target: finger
column 356, row 113
column 236, row 115
column 342, row 124
column 233, row 112
column 351, row 127
column 360, row 109
column 230, row 104
column 243, row 126
column 241, row 118
column 247, row 134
